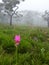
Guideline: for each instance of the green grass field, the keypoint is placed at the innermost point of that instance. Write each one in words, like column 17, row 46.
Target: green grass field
column 33, row 48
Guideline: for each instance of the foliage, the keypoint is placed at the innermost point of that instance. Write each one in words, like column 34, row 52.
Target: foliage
column 8, row 7
column 33, row 48
column 46, row 16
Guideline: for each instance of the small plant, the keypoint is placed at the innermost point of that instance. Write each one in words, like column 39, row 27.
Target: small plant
column 32, row 50
column 8, row 45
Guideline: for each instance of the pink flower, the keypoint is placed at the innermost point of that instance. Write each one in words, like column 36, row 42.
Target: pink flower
column 17, row 39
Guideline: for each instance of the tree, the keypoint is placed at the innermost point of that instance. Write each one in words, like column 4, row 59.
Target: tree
column 1, row 6
column 46, row 16
column 8, row 7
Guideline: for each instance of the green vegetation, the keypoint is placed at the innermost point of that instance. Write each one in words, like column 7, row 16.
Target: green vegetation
column 33, row 48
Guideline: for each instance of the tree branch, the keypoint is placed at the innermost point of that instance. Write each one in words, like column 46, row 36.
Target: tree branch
column 7, row 12
column 15, row 10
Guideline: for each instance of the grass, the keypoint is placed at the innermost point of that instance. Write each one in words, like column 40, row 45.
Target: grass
column 33, row 48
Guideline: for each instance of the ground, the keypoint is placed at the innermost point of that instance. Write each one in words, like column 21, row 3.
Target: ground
column 32, row 50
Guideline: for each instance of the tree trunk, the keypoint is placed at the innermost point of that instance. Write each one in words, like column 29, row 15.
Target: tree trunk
column 10, row 20
column 48, row 23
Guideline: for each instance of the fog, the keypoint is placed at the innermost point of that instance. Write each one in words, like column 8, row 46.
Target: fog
column 35, row 5
column 32, row 11
column 31, row 18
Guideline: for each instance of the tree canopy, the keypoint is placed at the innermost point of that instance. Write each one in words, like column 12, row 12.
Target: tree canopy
column 46, row 16
column 8, row 6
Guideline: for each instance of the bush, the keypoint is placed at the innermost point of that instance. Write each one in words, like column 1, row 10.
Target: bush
column 9, row 48
column 8, row 45
column 24, row 47
column 33, row 48
column 26, row 59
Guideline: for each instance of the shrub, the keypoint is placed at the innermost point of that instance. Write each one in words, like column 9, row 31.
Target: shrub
column 24, row 47
column 8, row 45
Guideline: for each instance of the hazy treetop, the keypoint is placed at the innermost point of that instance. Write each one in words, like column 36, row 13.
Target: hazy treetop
column 36, row 5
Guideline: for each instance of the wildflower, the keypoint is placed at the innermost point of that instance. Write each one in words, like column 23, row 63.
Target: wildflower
column 17, row 40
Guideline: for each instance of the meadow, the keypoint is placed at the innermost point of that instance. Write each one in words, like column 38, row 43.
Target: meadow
column 32, row 50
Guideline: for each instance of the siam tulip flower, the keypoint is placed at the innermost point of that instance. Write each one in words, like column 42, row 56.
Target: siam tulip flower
column 17, row 40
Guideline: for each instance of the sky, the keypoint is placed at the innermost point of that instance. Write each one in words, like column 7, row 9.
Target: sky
column 35, row 5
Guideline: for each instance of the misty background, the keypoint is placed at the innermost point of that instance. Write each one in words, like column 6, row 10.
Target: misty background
column 31, row 10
